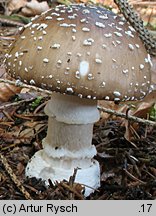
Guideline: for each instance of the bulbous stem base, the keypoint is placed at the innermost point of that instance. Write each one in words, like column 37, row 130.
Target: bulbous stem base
column 68, row 143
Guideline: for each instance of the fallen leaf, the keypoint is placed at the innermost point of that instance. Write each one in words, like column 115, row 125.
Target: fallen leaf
column 131, row 131
column 34, row 7
column 142, row 111
column 15, row 5
column 6, row 90
column 105, row 175
column 143, row 107
column 2, row 72
column 29, row 132
column 153, row 72
column 20, row 168
column 153, row 170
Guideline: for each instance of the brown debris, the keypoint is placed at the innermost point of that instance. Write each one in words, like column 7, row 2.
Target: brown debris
column 14, row 178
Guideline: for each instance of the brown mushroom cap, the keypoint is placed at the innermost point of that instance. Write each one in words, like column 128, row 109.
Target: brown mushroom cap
column 82, row 50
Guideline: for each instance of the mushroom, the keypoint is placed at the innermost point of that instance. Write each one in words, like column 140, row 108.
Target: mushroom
column 83, row 54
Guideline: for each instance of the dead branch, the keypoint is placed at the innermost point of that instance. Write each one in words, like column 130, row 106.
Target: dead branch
column 68, row 188
column 143, row 3
column 129, row 117
column 14, row 178
column 103, row 109
column 10, row 22
column 23, row 85
column 133, row 177
column 17, row 103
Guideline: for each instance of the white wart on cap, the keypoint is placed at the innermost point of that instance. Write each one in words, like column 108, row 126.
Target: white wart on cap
column 82, row 50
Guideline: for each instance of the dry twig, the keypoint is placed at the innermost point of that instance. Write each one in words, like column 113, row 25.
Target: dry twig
column 133, row 18
column 23, row 85
column 129, row 117
column 10, row 22
column 133, row 177
column 17, row 103
column 143, row 3
column 67, row 187
column 103, row 109
column 14, row 177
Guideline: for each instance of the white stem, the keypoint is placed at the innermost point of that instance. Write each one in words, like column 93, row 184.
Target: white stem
column 68, row 142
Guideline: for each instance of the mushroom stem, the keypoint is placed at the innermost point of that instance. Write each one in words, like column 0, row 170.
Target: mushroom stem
column 68, row 143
